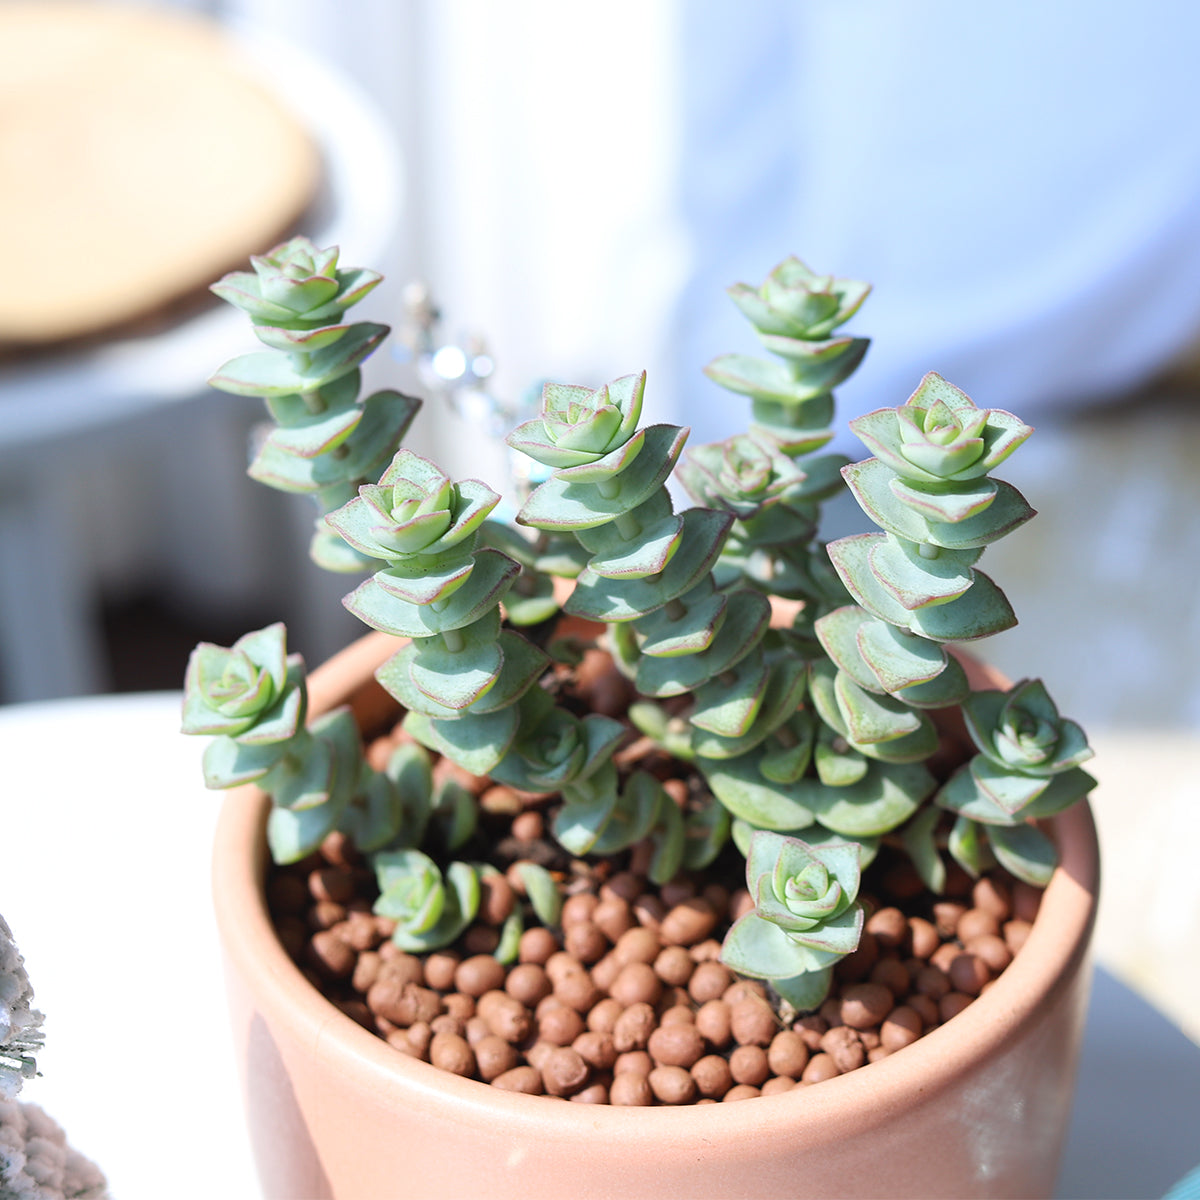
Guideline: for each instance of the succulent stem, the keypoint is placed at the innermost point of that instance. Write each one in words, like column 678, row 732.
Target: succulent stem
column 627, row 525
column 926, row 550
column 609, row 488
column 675, row 609
column 453, row 639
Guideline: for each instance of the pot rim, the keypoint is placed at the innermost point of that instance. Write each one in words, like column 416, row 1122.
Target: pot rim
column 1057, row 942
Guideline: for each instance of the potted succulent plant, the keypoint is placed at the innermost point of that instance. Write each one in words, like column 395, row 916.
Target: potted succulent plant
column 673, row 873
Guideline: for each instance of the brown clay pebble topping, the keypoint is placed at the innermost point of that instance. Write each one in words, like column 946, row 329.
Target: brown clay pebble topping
column 952, row 1003
column 993, row 897
column 777, row 1084
column 974, row 923
column 748, row 1064
column 508, row 1018
column 586, row 941
column 528, row 983
column 450, row 1052
column 689, row 922
column 674, row 966
column 709, row 981
column 603, row 1018
column 932, row 983
column 715, row 1023
column 578, row 991
column 787, row 1055
column 596, row 1049
column 944, row 955
column 946, row 915
column 614, row 917
column 893, row 974
column 633, row 1062
column 843, row 1046
column 494, row 1056
column 528, row 826
column 991, row 950
column 672, row 1085
column 636, row 984
column 712, row 1075
column 676, row 1045
column 630, row 1003
column 637, row 945
column 560, row 1026
column 902, row 1027
column 968, row 973
column 820, row 1067
column 1025, row 901
column 630, row 1090
column 520, row 1079
column 634, row 1027
column 439, row 970
column 1015, row 934
column 752, row 1022
column 478, row 974
column 536, row 945
column 889, row 927
column 677, row 1014
column 865, row 1005
column 925, row 1007
column 331, row 955
column 564, row 1072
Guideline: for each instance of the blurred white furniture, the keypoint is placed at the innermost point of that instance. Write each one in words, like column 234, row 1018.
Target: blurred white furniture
column 54, row 415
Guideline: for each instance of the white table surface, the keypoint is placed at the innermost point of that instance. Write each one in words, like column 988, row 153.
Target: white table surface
column 139, row 1066
column 105, row 817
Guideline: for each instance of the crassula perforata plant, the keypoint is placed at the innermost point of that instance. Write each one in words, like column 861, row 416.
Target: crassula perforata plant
column 804, row 740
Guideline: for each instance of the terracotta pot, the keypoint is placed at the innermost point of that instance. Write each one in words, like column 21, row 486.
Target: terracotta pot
column 978, row 1107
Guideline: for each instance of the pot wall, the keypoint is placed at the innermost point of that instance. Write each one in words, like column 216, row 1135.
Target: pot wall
column 978, row 1107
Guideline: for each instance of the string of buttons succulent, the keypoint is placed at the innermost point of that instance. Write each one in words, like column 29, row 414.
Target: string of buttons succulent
column 802, row 748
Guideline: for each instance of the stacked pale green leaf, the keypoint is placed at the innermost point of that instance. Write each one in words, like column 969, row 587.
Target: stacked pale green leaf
column 326, row 440
column 805, row 742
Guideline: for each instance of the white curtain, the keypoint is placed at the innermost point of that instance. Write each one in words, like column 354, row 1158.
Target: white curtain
column 541, row 152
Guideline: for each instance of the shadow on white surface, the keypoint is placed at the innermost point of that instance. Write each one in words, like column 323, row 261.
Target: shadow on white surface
column 1135, row 1130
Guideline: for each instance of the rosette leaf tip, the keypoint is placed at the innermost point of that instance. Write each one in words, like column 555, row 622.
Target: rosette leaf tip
column 1021, row 730
column 295, row 285
column 229, row 690
column 579, row 425
column 805, row 914
column 794, row 301
column 939, row 435
column 414, row 511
